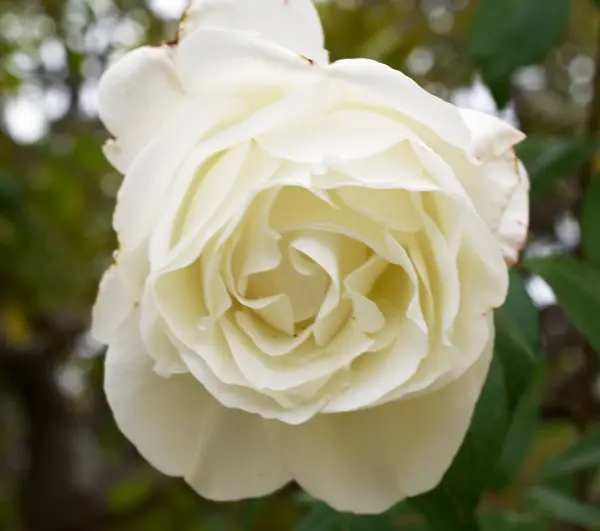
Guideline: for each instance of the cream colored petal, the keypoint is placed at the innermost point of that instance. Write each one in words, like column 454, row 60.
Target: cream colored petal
column 514, row 223
column 120, row 290
column 235, row 459
column 136, row 96
column 398, row 350
column 294, row 24
column 393, row 208
column 397, row 167
column 481, row 263
column 499, row 186
column 490, row 136
column 340, row 135
column 150, row 178
column 313, row 99
column 370, row 82
column 161, row 417
column 119, row 154
column 265, row 403
column 157, row 340
column 215, row 60
column 181, row 430
column 113, row 304
column 309, row 362
column 366, row 461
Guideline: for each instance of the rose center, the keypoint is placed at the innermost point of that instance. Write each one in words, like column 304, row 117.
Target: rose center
column 301, row 281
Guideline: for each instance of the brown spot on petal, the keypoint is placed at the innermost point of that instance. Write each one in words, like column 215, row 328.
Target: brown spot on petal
column 307, row 59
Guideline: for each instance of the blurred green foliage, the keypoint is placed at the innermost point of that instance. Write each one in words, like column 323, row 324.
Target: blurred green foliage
column 531, row 459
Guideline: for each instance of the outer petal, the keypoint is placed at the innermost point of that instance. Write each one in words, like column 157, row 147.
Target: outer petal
column 512, row 231
column 112, row 307
column 219, row 60
column 500, row 191
column 294, row 24
column 366, row 461
column 148, row 182
column 120, row 290
column 135, row 96
column 235, row 459
column 182, row 430
column 162, row 417
column 491, row 137
column 378, row 84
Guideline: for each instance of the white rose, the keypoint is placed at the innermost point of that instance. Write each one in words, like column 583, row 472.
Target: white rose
column 310, row 255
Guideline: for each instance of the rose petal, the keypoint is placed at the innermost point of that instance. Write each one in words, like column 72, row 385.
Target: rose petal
column 368, row 460
column 340, row 135
column 153, row 171
column 214, row 60
column 491, row 137
column 500, row 187
column 375, row 83
column 179, row 428
column 135, row 97
column 514, row 223
column 112, row 307
column 294, row 24
column 161, row 417
column 226, row 471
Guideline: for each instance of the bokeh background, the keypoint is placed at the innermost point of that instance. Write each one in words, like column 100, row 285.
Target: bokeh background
column 64, row 466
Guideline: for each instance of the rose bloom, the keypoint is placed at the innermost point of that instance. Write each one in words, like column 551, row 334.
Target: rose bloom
column 309, row 259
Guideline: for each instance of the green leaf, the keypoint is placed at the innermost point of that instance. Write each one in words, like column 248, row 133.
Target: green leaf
column 512, row 522
column 452, row 504
column 577, row 287
column 550, row 159
column 252, row 510
column 519, row 439
column 556, row 505
column 320, row 518
column 508, row 34
column 517, row 338
column 590, row 222
column 585, row 453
